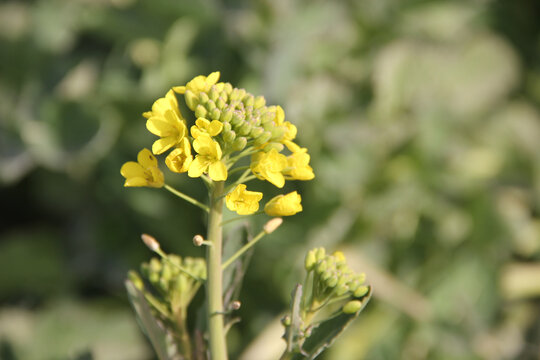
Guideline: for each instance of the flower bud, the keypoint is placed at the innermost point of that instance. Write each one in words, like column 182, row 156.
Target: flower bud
column 215, row 114
column 332, row 281
column 286, row 320
column 226, row 115
column 150, row 242
column 352, row 307
column 259, row 102
column 263, row 139
column 310, row 260
column 203, row 98
column 226, row 126
column 136, row 280
column 320, row 253
column 237, row 118
column 273, row 145
column 227, row 88
column 272, row 225
column 248, row 100
column 198, row 240
column 235, row 305
column 228, row 136
column 200, row 111
column 321, row 267
column 244, row 129
column 341, row 289
column 256, row 131
column 191, row 99
column 220, row 103
column 361, row 291
column 213, row 94
column 239, row 143
column 210, row 105
column 278, row 132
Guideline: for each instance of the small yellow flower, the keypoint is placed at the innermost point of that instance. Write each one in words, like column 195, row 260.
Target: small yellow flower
column 298, row 166
column 208, row 159
column 166, row 121
column 204, row 126
column 180, row 158
column 269, row 166
column 242, row 201
column 284, row 205
column 199, row 84
column 291, row 131
column 144, row 172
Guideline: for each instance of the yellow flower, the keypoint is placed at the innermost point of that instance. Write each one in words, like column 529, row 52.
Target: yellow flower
column 144, row 172
column 298, row 166
column 203, row 126
column 242, row 201
column 268, row 166
column 291, row 131
column 199, row 84
column 284, row 205
column 208, row 159
column 180, row 158
column 166, row 121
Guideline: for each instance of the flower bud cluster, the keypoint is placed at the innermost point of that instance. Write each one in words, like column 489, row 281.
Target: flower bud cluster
column 246, row 119
column 332, row 276
column 175, row 279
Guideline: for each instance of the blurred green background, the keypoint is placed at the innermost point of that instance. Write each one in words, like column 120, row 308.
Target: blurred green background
column 422, row 119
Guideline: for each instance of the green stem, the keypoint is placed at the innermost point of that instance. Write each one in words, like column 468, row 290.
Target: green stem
column 189, row 199
column 214, row 284
column 243, row 250
column 241, row 217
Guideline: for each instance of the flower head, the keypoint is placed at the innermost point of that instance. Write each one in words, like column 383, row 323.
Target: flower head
column 284, row 205
column 199, row 84
column 166, row 121
column 269, row 166
column 180, row 158
column 144, row 172
column 204, row 126
column 208, row 159
column 242, row 201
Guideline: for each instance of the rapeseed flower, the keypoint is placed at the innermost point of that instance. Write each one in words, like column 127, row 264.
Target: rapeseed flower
column 208, row 159
column 204, row 126
column 199, row 84
column 284, row 205
column 144, row 172
column 269, row 166
column 242, row 201
column 166, row 121
column 298, row 166
column 180, row 158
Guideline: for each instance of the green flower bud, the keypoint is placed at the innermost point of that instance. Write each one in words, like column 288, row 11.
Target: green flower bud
column 210, row 105
column 237, row 94
column 286, row 320
column 248, row 100
column 203, row 98
column 310, row 260
column 215, row 114
column 191, row 99
column 256, row 132
column 200, row 111
column 326, row 274
column 320, row 253
column 237, row 118
column 361, row 291
column 321, row 267
column 227, row 88
column 136, row 280
column 263, row 139
column 353, row 285
column 228, row 136
column 341, row 289
column 332, row 281
column 226, row 126
column 352, row 307
column 259, row 102
column 226, row 115
column 239, row 143
column 220, row 103
column 273, row 145
column 244, row 129
column 278, row 132
column 213, row 94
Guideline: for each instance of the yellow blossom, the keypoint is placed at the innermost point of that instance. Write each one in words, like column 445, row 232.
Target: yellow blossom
column 298, row 166
column 144, row 172
column 166, row 121
column 208, row 159
column 284, row 205
column 204, row 126
column 242, row 201
column 291, row 131
column 180, row 158
column 199, row 84
column 268, row 166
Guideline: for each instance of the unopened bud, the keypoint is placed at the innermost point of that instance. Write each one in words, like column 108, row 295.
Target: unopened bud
column 248, row 100
column 244, row 129
column 259, row 102
column 226, row 126
column 210, row 105
column 203, row 97
column 361, row 291
column 286, row 320
column 239, row 143
column 150, row 242
column 198, row 240
column 226, row 115
column 310, row 260
column 237, row 118
column 213, row 93
column 191, row 99
column 220, row 103
column 272, row 225
column 200, row 111
column 235, row 305
column 263, row 139
column 256, row 131
column 352, row 307
column 229, row 136
column 215, row 114
column 273, row 145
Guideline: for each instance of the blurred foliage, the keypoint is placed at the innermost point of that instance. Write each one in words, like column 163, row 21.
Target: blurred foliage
column 422, row 120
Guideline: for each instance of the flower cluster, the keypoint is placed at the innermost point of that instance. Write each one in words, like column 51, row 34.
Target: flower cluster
column 230, row 125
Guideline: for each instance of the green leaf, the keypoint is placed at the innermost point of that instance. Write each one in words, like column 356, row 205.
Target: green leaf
column 325, row 333
column 148, row 323
column 293, row 332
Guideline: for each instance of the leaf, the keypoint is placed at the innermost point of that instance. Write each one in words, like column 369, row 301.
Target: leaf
column 323, row 335
column 293, row 332
column 148, row 323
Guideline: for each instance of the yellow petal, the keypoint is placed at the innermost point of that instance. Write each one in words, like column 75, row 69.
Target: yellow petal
column 214, row 128
column 136, row 182
column 179, row 89
column 157, row 125
column 146, row 159
column 217, row 171
column 213, row 78
column 202, row 123
column 164, row 144
column 280, row 115
column 197, row 167
column 132, row 169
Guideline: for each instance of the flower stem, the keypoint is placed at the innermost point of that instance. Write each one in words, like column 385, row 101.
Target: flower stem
column 214, row 284
column 243, row 250
column 189, row 199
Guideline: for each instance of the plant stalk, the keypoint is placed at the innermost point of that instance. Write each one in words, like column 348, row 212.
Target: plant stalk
column 214, row 284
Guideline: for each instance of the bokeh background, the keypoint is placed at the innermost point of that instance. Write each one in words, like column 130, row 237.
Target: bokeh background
column 422, row 119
